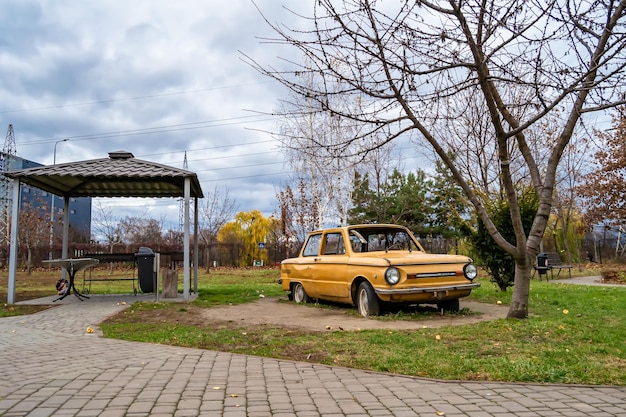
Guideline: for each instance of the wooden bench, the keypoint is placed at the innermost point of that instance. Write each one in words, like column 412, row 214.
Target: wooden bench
column 552, row 261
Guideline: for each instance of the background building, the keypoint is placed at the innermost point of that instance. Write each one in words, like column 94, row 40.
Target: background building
column 51, row 206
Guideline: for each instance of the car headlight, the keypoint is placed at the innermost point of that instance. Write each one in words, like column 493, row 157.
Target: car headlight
column 470, row 271
column 392, row 276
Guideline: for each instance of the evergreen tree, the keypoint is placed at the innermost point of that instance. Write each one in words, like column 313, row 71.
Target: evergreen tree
column 450, row 208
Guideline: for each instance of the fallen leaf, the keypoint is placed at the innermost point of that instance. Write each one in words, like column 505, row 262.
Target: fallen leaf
column 234, row 395
column 438, row 337
column 217, row 388
column 566, row 311
column 89, row 329
column 441, row 413
column 499, row 302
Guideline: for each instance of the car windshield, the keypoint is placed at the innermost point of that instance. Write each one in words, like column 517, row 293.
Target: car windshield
column 381, row 239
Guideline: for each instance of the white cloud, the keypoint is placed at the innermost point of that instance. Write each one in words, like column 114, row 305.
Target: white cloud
column 101, row 73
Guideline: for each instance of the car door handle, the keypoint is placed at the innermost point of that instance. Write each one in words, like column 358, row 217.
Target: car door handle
column 317, row 259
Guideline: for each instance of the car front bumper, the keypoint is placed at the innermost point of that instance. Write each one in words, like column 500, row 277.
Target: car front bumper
column 423, row 290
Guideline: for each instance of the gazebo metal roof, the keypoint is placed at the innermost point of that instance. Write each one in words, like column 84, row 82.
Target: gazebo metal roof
column 119, row 175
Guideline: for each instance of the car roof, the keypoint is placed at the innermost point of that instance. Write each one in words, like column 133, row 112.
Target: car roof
column 361, row 226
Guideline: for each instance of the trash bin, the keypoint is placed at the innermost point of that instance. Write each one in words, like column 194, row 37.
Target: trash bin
column 145, row 269
column 542, row 263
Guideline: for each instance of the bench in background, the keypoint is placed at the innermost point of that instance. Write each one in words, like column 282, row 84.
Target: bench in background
column 550, row 262
column 110, row 258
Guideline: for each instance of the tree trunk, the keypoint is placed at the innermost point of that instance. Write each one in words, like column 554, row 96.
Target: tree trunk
column 521, row 290
column 111, row 263
column 29, row 261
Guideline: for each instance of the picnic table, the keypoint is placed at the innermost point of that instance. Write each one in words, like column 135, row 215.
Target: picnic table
column 72, row 266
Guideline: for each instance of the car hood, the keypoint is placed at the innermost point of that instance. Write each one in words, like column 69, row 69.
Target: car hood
column 412, row 258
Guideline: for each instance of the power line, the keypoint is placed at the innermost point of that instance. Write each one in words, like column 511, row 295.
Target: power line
column 210, row 148
column 248, row 176
column 89, row 103
column 240, row 166
column 149, row 130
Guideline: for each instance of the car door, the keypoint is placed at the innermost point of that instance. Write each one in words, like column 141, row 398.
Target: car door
column 304, row 269
column 330, row 269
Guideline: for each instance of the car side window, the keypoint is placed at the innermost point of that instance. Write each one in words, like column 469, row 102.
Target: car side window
column 333, row 244
column 357, row 245
column 312, row 247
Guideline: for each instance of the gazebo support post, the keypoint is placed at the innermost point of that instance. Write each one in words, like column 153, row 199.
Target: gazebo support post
column 66, row 231
column 187, row 193
column 195, row 245
column 13, row 243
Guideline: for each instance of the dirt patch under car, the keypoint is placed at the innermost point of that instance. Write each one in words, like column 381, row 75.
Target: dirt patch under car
column 280, row 312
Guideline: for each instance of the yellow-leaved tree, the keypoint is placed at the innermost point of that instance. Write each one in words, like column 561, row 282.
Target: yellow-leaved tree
column 247, row 233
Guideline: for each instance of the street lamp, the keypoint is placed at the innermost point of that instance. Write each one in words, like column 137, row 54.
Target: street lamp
column 54, row 155
column 54, row 161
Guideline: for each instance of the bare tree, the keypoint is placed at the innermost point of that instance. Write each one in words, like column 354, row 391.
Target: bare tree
column 142, row 230
column 414, row 63
column 605, row 189
column 106, row 226
column 34, row 230
column 218, row 209
column 325, row 170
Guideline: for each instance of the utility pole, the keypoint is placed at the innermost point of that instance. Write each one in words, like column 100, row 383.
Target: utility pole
column 8, row 151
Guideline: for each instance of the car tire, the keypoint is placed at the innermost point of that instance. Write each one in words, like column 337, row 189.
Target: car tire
column 299, row 295
column 453, row 306
column 367, row 301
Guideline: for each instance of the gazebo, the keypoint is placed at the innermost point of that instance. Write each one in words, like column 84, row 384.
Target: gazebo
column 119, row 175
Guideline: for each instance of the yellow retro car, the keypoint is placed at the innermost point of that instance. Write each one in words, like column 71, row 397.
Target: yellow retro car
column 372, row 264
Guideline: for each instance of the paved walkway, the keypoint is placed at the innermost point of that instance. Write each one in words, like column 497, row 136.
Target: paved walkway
column 51, row 366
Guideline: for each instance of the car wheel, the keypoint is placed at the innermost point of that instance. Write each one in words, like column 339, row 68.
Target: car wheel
column 452, row 306
column 298, row 293
column 367, row 300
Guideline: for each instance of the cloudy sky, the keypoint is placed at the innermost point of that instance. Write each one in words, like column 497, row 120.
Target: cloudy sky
column 156, row 78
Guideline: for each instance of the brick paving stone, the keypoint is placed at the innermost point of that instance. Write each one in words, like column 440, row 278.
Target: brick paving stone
column 164, row 409
column 211, row 406
column 186, row 413
column 109, row 412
